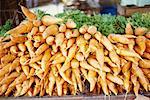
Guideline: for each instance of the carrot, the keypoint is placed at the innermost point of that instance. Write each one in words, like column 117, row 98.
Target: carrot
column 145, row 63
column 119, row 38
column 56, row 56
column 116, row 70
column 75, row 33
column 18, row 80
column 83, row 29
column 19, row 39
column 98, row 36
column 3, row 88
column 106, row 68
column 74, row 83
column 50, row 30
column 79, row 56
column 93, row 45
column 112, row 87
column 54, row 48
column 42, row 90
column 18, row 69
column 41, row 49
column 127, row 80
column 143, row 80
column 50, row 40
column 18, row 88
column 81, row 43
column 146, row 55
column 42, row 28
column 107, row 59
column 76, row 72
column 35, row 66
column 8, row 91
column 70, row 24
column 70, row 42
column 126, row 67
column 115, row 79
column 27, row 13
column 24, row 27
column 100, row 56
column 94, row 63
column 128, row 29
column 68, row 33
column 30, row 47
column 62, row 28
column 31, row 73
column 92, row 30
column 65, row 88
column 63, row 75
column 36, row 44
column 46, row 57
column 9, row 79
column 9, row 67
column 37, row 23
column 25, row 70
column 35, row 59
column 85, row 65
column 141, row 42
column 114, row 57
column 132, row 59
column 22, row 47
column 140, row 30
column 59, row 84
column 147, row 35
column 104, row 84
column 136, row 88
column 87, row 36
column 38, row 38
column 7, row 58
column 65, row 67
column 50, row 20
column 124, row 52
column 59, row 38
column 36, row 88
column 92, row 79
column 71, row 53
column 25, row 87
column 107, row 43
column 13, row 49
column 74, row 63
column 84, row 72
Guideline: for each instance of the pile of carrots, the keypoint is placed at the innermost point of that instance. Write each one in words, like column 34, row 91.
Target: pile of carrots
column 47, row 57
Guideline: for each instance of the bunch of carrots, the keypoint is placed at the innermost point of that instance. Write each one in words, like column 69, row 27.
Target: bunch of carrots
column 42, row 57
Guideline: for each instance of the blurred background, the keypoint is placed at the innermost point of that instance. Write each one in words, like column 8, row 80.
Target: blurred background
column 10, row 8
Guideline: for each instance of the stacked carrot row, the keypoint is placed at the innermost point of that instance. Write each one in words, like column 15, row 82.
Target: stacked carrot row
column 42, row 57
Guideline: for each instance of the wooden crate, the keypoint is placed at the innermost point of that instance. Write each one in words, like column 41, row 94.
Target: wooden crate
column 128, row 11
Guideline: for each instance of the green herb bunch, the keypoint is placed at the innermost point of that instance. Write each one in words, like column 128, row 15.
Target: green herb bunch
column 4, row 28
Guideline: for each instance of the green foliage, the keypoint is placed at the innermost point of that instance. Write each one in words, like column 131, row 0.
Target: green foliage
column 4, row 28
column 140, row 20
column 39, row 13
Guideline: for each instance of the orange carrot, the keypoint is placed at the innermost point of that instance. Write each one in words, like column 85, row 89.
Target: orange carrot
column 62, row 28
column 41, row 49
column 115, row 79
column 59, row 38
column 50, row 30
column 37, row 23
column 27, row 13
column 50, row 20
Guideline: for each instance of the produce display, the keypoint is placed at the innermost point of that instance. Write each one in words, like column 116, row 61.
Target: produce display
column 56, row 56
